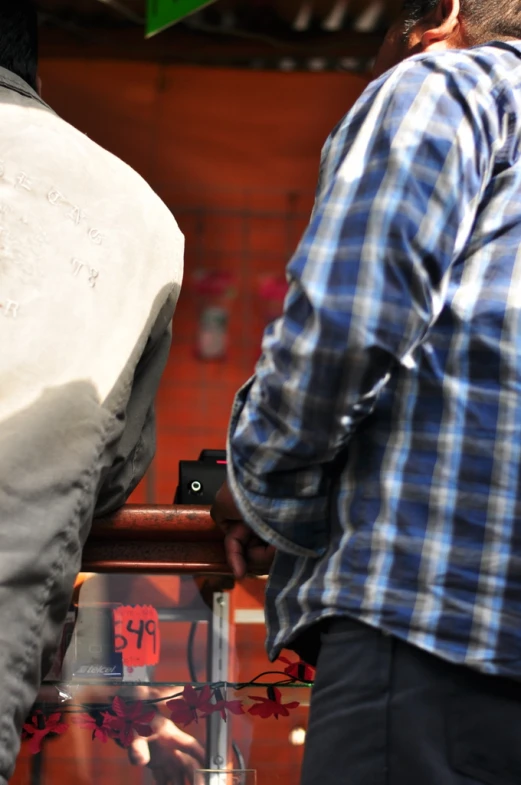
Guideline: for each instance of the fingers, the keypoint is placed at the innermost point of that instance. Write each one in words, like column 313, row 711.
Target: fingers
column 188, row 765
column 235, row 546
column 186, row 745
column 245, row 551
column 161, row 778
column 178, row 769
column 170, row 773
column 146, row 692
column 259, row 557
column 196, row 778
column 224, row 507
column 235, row 558
column 171, row 754
column 139, row 752
column 242, row 547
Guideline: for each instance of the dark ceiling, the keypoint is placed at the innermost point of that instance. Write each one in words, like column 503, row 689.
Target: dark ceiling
column 284, row 34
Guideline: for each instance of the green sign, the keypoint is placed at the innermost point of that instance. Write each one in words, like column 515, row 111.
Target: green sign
column 163, row 13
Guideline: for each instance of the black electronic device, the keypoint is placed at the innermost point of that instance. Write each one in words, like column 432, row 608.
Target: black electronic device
column 200, row 480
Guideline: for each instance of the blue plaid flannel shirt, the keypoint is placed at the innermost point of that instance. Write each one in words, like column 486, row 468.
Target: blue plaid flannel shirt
column 378, row 446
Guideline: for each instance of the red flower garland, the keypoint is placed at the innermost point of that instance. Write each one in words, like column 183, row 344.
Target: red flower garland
column 39, row 727
column 185, row 707
column 99, row 724
column 130, row 719
column 124, row 721
column 222, row 706
column 271, row 706
column 192, row 705
column 299, row 670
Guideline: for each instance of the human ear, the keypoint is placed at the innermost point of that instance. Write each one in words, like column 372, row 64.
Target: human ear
column 444, row 30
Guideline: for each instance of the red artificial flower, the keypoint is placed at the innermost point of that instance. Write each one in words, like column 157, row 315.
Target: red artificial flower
column 130, row 719
column 222, row 706
column 100, row 727
column 271, row 706
column 299, row 670
column 39, row 727
column 184, row 709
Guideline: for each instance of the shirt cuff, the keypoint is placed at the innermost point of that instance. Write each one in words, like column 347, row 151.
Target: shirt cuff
column 306, row 515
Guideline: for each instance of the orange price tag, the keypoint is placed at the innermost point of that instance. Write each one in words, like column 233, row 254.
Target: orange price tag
column 136, row 635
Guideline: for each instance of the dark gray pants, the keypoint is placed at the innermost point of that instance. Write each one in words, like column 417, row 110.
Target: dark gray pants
column 385, row 713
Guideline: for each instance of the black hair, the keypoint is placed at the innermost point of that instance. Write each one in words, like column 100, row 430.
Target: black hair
column 19, row 39
column 486, row 19
column 416, row 9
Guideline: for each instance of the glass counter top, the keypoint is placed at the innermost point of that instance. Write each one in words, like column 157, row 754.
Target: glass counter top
column 164, row 679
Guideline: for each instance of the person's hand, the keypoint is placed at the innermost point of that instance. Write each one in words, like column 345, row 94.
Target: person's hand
column 172, row 755
column 244, row 550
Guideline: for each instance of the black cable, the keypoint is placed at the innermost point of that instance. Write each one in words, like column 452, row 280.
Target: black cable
column 241, row 763
column 190, row 652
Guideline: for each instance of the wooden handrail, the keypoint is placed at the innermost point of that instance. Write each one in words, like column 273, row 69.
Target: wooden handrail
column 171, row 540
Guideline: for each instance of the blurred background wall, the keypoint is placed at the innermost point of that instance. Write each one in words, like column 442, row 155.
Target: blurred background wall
column 235, row 155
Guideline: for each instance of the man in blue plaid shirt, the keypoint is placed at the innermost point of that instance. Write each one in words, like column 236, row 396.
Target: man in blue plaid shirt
column 378, row 448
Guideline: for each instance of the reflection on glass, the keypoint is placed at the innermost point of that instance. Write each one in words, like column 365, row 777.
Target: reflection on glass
column 166, row 680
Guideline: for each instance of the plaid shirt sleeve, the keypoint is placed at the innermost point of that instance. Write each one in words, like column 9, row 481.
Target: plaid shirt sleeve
column 402, row 178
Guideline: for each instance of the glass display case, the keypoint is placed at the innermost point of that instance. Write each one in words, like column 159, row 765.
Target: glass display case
column 162, row 676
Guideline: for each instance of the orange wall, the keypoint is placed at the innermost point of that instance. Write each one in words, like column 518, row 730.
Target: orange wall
column 243, row 142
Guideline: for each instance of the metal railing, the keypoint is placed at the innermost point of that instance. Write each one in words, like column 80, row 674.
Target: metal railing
column 168, row 540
